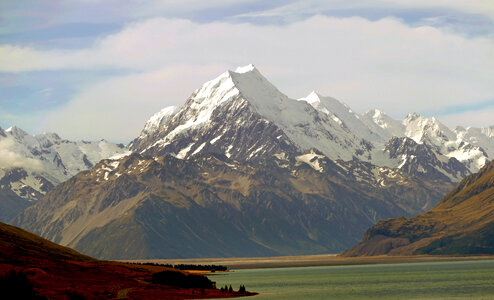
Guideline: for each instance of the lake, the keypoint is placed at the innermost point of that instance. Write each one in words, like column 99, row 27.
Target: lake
column 458, row 280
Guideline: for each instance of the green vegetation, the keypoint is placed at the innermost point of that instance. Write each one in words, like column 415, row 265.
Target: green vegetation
column 179, row 279
column 229, row 289
column 188, row 267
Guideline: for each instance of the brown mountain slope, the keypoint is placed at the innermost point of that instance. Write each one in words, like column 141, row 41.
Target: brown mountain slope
column 211, row 206
column 462, row 223
column 34, row 268
column 17, row 244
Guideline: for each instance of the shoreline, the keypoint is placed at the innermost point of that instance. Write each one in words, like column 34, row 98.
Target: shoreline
column 238, row 263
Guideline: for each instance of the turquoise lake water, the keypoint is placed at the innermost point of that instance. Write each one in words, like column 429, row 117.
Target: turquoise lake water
column 443, row 280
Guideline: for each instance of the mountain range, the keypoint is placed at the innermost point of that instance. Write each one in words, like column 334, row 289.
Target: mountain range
column 30, row 165
column 237, row 113
column 241, row 169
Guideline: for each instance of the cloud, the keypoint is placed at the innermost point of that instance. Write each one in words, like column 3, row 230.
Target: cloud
column 310, row 7
column 9, row 158
column 479, row 7
column 385, row 64
column 117, row 108
column 38, row 17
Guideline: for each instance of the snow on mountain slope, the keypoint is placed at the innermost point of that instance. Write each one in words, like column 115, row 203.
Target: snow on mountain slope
column 445, row 141
column 223, row 114
column 382, row 124
column 242, row 115
column 32, row 165
column 154, row 124
column 342, row 114
column 473, row 147
column 421, row 129
column 481, row 137
column 421, row 159
column 304, row 125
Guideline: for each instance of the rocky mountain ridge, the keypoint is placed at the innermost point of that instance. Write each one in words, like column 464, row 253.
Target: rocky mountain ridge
column 211, row 205
column 236, row 113
column 242, row 162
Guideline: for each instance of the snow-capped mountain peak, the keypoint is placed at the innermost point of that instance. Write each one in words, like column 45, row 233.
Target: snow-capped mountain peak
column 378, row 116
column 226, row 114
column 316, row 99
column 342, row 114
column 250, row 98
column 16, row 132
column 420, row 128
column 382, row 124
column 245, row 82
column 245, row 69
column 328, row 105
column 413, row 116
column 312, row 98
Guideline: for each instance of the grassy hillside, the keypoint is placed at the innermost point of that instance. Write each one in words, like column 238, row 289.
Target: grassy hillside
column 462, row 223
column 34, row 268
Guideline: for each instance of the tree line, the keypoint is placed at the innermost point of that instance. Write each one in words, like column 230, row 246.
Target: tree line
column 211, row 268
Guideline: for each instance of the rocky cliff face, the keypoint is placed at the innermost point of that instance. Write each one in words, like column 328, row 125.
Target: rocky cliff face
column 421, row 160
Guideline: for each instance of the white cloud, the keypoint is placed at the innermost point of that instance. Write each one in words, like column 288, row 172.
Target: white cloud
column 116, row 109
column 385, row 64
column 9, row 158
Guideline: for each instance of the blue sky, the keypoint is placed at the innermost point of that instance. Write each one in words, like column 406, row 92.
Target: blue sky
column 92, row 69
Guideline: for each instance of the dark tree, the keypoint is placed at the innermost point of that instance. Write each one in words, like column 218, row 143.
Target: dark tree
column 175, row 278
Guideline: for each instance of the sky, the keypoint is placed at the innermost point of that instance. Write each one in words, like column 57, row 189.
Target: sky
column 98, row 69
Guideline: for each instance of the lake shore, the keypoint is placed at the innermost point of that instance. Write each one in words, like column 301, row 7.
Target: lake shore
column 310, row 260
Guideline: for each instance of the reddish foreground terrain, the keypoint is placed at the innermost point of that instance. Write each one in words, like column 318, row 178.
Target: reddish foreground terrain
column 34, row 268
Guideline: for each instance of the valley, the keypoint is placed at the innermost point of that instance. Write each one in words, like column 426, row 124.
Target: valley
column 300, row 149
column 241, row 169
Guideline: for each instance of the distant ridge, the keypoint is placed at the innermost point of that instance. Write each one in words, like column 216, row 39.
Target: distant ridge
column 31, row 165
column 462, row 223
